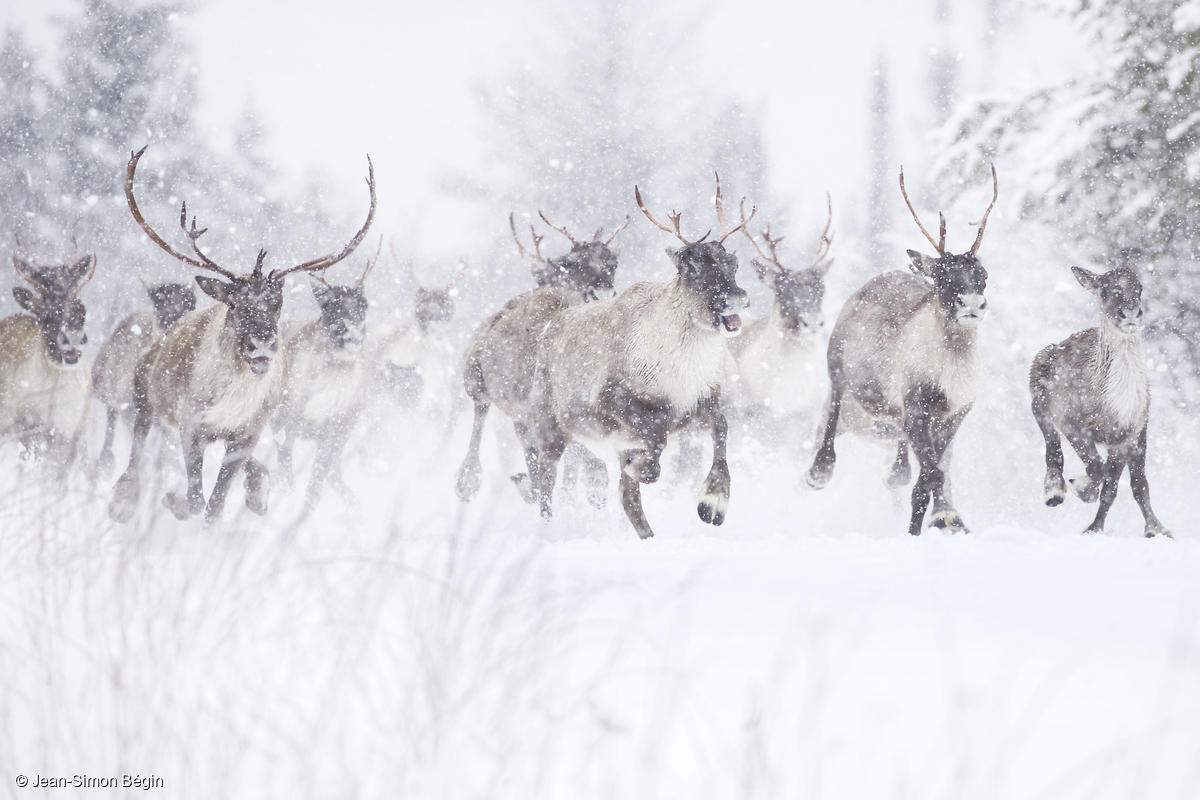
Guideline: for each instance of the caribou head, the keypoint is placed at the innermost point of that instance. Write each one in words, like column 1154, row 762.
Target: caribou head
column 707, row 271
column 958, row 280
column 253, row 301
column 589, row 267
column 55, row 304
column 798, row 292
column 171, row 301
column 344, row 309
column 1120, row 294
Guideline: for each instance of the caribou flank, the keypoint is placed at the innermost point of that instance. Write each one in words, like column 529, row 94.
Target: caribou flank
column 214, row 377
column 779, row 358
column 113, row 370
column 903, row 363
column 326, row 380
column 1091, row 387
column 501, row 357
column 632, row 370
column 44, row 388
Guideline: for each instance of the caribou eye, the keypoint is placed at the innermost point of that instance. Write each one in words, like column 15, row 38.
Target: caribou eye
column 958, row 301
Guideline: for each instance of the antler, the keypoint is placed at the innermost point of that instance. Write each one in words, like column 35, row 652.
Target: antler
column 725, row 232
column 941, row 244
column 537, row 240
column 563, row 231
column 624, row 225
column 826, row 241
column 773, row 258
column 983, row 222
column 371, row 264
column 674, row 216
column 206, row 263
column 327, row 261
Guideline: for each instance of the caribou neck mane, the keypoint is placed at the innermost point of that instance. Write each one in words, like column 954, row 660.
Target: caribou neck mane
column 1118, row 372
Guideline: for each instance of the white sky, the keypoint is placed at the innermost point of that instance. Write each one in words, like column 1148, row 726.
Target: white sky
column 337, row 79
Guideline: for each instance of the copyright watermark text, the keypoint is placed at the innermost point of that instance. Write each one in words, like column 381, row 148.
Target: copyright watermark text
column 122, row 781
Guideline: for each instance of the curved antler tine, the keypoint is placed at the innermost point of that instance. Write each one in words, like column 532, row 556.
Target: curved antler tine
column 371, row 264
column 721, row 207
column 741, row 226
column 826, row 240
column 624, row 225
column 327, row 261
column 130, row 169
column 563, row 231
column 983, row 222
column 746, row 232
column 537, row 240
column 941, row 232
column 941, row 249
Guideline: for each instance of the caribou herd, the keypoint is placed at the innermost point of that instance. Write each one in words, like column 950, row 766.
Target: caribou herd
column 581, row 370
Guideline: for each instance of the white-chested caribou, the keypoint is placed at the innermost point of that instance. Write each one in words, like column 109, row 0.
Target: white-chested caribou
column 780, row 359
column 45, row 389
column 115, row 364
column 632, row 370
column 214, row 376
column 1092, row 388
column 501, row 357
column 326, row 381
column 904, row 362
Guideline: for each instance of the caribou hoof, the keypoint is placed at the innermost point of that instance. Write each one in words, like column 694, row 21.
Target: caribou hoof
column 948, row 521
column 468, row 482
column 712, row 507
column 1086, row 489
column 897, row 479
column 124, row 501
column 256, row 488
column 178, row 505
column 524, row 487
column 1055, row 493
column 819, row 475
column 1158, row 530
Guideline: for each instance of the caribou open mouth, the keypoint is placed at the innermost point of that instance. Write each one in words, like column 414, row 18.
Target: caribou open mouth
column 731, row 322
column 70, row 356
column 260, row 365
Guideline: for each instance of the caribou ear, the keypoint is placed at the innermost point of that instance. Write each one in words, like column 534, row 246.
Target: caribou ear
column 922, row 263
column 319, row 292
column 761, row 270
column 27, row 299
column 1088, row 280
column 81, row 272
column 822, row 268
column 216, row 289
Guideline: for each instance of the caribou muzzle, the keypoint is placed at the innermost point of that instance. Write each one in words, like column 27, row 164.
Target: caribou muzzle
column 970, row 309
column 725, row 310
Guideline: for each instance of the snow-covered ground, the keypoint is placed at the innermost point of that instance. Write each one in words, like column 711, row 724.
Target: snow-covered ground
column 403, row 645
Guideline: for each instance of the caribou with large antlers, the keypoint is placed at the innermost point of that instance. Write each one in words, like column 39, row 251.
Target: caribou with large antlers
column 214, row 376
column 779, row 357
column 635, row 369
column 500, row 360
column 44, row 388
column 903, row 364
column 1092, row 388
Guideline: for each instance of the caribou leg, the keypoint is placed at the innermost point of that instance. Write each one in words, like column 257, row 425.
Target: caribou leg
column 128, row 488
column 901, row 472
column 193, row 464
column 714, row 497
column 1113, row 468
column 1086, row 488
column 468, row 474
column 104, row 461
column 236, row 453
column 1141, row 488
column 330, row 444
column 631, row 499
column 822, row 466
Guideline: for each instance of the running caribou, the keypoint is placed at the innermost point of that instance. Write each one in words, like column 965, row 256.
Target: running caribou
column 45, row 389
column 214, row 377
column 1092, row 388
column 632, row 370
column 781, row 367
column 112, row 372
column 500, row 359
column 903, row 364
column 325, row 380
